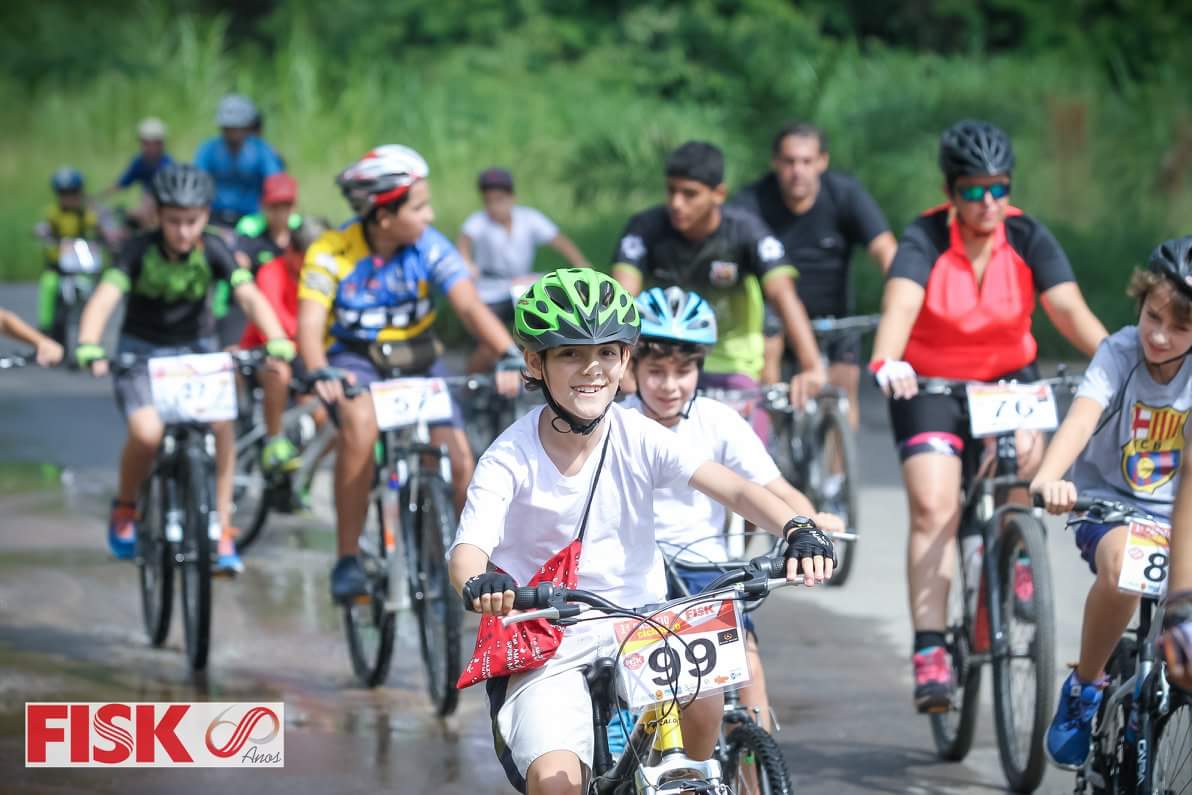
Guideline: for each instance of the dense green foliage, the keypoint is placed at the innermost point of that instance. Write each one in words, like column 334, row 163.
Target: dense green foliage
column 582, row 99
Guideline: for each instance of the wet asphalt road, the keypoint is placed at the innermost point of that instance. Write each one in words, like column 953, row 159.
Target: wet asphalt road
column 70, row 630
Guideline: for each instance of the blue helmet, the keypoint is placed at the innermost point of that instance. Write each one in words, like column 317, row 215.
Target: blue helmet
column 676, row 315
column 66, row 179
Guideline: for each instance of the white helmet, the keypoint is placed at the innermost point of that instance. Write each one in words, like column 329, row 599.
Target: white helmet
column 381, row 176
column 151, row 129
column 235, row 111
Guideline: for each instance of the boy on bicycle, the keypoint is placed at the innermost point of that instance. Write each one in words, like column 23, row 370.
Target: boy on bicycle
column 167, row 274
column 678, row 327
column 578, row 328
column 366, row 308
column 1124, row 439
column 68, row 217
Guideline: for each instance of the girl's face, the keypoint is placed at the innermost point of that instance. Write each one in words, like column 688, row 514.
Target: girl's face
column 583, row 379
column 666, row 385
column 1163, row 335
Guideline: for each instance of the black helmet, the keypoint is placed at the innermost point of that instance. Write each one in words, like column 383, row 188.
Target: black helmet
column 183, row 185
column 975, row 149
column 1173, row 259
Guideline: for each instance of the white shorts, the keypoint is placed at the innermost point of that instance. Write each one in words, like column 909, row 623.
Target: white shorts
column 549, row 708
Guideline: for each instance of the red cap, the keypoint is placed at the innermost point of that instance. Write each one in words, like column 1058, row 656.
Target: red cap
column 279, row 189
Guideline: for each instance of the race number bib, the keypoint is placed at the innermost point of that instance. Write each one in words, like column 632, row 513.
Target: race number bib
column 406, row 401
column 198, row 387
column 1002, row 408
column 705, row 650
column 1144, row 566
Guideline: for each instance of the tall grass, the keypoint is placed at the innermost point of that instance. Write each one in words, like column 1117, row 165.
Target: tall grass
column 585, row 137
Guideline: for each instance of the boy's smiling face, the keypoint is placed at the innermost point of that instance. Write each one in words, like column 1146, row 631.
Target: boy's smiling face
column 583, row 379
column 666, row 384
column 1163, row 331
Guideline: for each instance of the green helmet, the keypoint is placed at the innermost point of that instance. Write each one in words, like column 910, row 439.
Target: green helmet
column 575, row 306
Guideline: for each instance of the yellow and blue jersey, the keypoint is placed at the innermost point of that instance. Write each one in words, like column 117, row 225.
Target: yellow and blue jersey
column 373, row 300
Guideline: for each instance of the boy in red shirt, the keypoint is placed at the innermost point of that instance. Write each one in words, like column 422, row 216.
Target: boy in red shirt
column 278, row 282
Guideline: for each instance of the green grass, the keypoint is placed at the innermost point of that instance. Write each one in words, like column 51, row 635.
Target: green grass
column 585, row 134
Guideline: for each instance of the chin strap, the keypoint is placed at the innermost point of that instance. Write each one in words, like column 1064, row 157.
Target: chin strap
column 573, row 423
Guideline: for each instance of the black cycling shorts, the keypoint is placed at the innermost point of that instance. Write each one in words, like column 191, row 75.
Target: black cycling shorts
column 939, row 423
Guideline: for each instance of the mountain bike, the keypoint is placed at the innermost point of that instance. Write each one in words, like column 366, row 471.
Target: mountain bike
column 654, row 760
column 1142, row 732
column 178, row 526
column 411, row 497
column 989, row 620
column 750, row 758
column 256, row 493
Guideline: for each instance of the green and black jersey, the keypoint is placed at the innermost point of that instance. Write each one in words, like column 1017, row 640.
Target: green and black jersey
column 167, row 300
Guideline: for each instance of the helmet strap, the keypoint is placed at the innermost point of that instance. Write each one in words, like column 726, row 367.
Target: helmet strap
column 572, row 423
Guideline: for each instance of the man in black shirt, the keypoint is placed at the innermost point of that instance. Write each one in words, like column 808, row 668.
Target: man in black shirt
column 729, row 257
column 819, row 216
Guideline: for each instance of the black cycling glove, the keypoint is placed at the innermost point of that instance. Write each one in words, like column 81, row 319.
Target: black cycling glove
column 805, row 540
column 491, row 582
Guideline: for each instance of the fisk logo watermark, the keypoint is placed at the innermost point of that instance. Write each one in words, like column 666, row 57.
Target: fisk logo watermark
column 196, row 734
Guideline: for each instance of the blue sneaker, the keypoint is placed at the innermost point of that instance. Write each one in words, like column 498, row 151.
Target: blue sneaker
column 122, row 531
column 1068, row 739
column 228, row 560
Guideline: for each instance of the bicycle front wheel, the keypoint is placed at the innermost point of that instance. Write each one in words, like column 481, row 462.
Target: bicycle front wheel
column 196, row 557
column 953, row 729
column 1173, row 747
column 430, row 530
column 754, row 764
column 250, row 495
column 1024, row 674
column 155, row 562
column 835, row 484
column 369, row 623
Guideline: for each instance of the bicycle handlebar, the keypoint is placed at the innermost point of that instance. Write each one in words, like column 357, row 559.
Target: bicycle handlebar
column 958, row 388
column 856, row 324
column 547, row 600
column 14, row 361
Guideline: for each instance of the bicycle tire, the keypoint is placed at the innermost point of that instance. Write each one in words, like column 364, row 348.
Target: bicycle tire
column 1021, row 728
column 952, row 731
column 252, row 496
column 1172, row 770
column 369, row 625
column 196, row 556
column 749, row 740
column 1109, row 758
column 155, row 562
column 837, row 495
column 430, row 530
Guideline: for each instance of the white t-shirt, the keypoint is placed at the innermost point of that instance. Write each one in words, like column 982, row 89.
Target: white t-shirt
column 502, row 254
column 521, row 510
column 1135, row 457
column 689, row 524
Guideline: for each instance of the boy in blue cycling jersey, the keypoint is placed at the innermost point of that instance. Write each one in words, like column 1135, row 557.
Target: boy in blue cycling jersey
column 1124, row 440
column 526, row 506
column 678, row 328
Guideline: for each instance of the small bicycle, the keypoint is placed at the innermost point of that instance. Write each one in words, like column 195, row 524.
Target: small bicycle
column 749, row 755
column 1142, row 733
column 655, row 760
column 178, row 526
column 411, row 497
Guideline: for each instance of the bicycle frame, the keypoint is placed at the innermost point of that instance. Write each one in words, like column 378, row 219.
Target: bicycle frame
column 175, row 441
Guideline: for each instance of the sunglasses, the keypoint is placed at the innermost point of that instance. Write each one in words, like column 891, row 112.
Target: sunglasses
column 976, row 193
